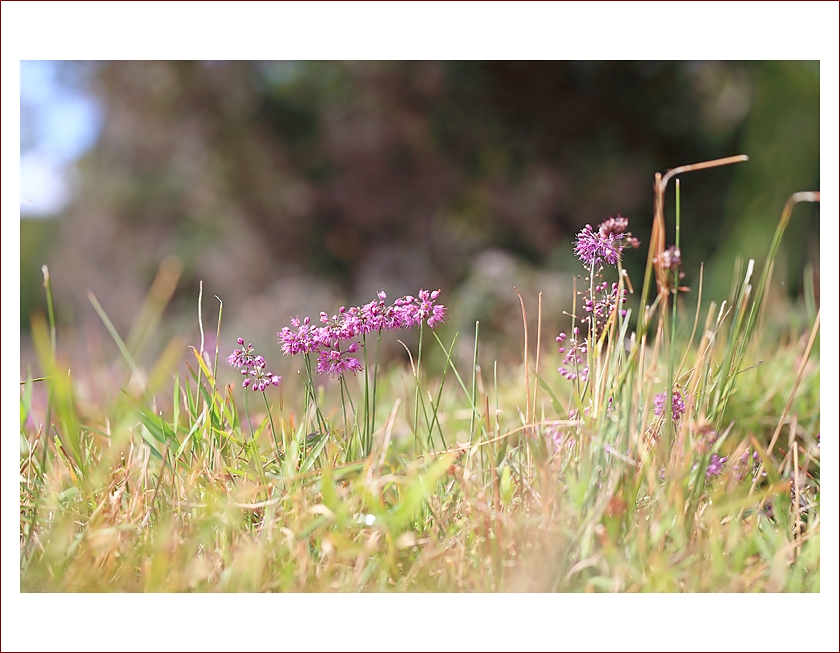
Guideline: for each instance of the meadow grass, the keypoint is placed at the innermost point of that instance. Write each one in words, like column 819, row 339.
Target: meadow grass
column 678, row 452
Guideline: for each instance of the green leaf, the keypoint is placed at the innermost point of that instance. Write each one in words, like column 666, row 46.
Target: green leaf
column 193, row 430
column 204, row 367
column 69, row 494
column 418, row 490
column 157, row 427
column 317, row 523
column 455, row 370
column 537, row 446
column 313, row 455
column 328, row 495
column 555, row 404
column 176, row 403
column 506, row 486
column 129, row 359
column 190, row 400
column 150, row 441
column 26, row 401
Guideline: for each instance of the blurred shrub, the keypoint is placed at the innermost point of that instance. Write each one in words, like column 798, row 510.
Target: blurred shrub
column 348, row 177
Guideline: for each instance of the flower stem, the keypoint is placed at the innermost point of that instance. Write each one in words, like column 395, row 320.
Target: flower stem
column 273, row 432
column 367, row 437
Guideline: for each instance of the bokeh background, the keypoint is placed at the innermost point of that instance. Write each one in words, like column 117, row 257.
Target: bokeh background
column 291, row 187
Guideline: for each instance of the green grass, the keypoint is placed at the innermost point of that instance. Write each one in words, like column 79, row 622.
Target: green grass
column 451, row 480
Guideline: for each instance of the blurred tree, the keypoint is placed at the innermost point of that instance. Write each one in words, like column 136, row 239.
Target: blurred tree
column 782, row 137
column 264, row 177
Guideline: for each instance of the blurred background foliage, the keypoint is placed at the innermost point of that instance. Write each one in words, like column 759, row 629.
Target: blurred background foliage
column 291, row 187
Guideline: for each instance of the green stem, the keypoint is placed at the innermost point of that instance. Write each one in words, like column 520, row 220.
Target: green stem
column 474, row 367
column 436, row 405
column 590, row 337
column 45, row 440
column 367, row 436
column 273, row 432
column 735, row 354
column 345, row 396
column 255, row 450
column 417, row 379
column 375, row 374
column 248, row 416
column 671, row 334
column 310, row 385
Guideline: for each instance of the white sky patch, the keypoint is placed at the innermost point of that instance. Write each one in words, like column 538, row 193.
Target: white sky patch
column 44, row 185
column 62, row 122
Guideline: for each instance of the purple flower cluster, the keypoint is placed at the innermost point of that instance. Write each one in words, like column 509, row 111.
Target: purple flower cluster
column 574, row 361
column 336, row 362
column 715, row 466
column 670, row 259
column 559, row 439
column 252, row 367
column 353, row 323
column 601, row 308
column 595, row 248
column 745, row 463
column 677, row 405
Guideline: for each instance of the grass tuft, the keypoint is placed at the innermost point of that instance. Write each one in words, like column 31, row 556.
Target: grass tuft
column 682, row 456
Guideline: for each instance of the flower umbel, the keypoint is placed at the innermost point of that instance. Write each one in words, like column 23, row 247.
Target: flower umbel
column 242, row 357
column 258, row 377
column 602, row 304
column 670, row 261
column 745, row 464
column 574, row 359
column 252, row 367
column 595, row 248
column 336, row 362
column 715, row 466
column 350, row 324
column 677, row 405
column 300, row 341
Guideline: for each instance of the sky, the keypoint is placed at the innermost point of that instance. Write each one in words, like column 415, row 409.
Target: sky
column 59, row 122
